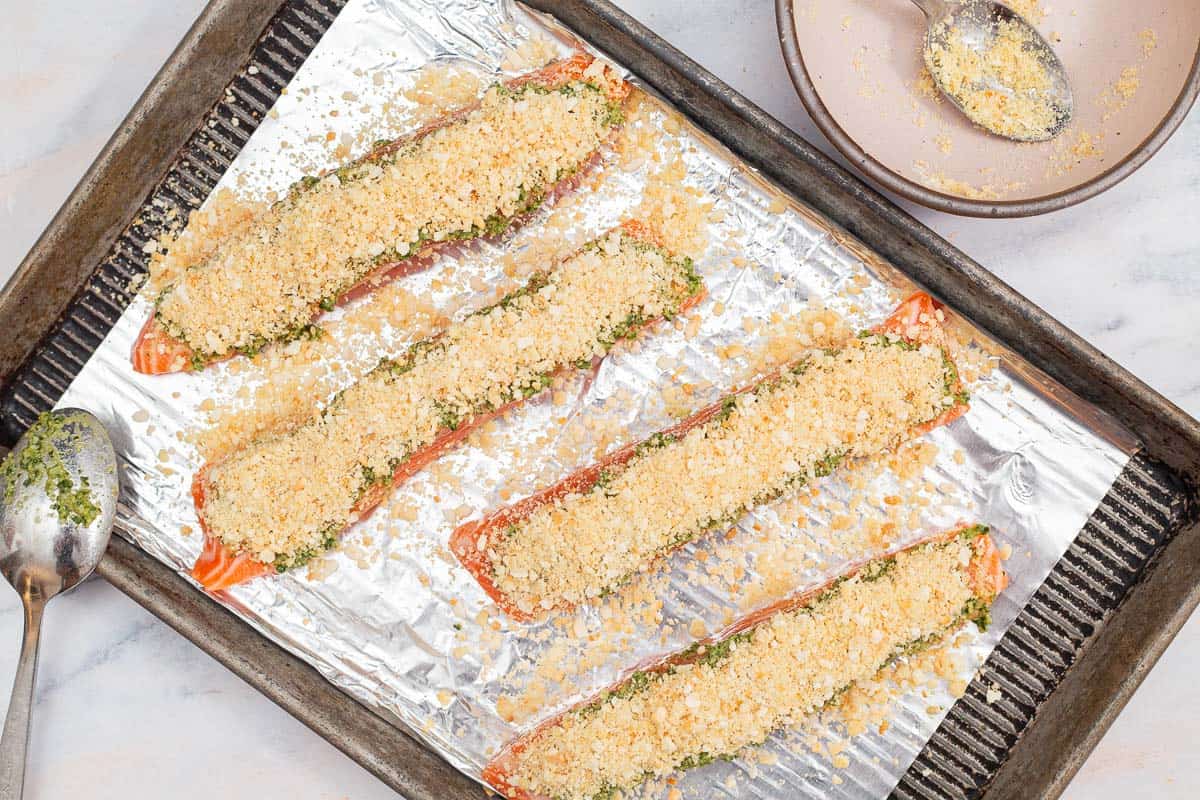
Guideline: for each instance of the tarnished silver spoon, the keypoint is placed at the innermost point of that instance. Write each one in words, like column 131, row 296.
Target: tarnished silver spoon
column 1029, row 105
column 58, row 496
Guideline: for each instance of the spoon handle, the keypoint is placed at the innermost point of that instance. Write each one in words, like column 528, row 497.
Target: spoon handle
column 932, row 8
column 15, row 739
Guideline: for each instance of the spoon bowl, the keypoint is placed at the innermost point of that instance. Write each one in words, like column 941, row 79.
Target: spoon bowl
column 970, row 30
column 43, row 552
column 58, row 499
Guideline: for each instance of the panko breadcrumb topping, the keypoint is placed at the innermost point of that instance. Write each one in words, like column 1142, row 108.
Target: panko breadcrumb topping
column 284, row 497
column 802, row 537
column 1031, row 10
column 1003, row 88
column 469, row 178
column 860, row 401
column 717, row 698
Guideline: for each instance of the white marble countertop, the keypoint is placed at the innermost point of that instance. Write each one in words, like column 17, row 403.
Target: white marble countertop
column 128, row 708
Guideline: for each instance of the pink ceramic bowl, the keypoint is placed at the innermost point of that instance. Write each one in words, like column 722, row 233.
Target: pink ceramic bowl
column 1134, row 70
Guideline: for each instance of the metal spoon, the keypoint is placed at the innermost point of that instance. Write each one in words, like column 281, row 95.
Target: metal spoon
column 48, row 544
column 977, row 23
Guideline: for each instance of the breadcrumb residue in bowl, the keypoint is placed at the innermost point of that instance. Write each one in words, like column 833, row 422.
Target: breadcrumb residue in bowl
column 1001, row 88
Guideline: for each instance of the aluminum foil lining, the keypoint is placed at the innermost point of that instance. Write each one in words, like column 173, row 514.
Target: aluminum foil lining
column 397, row 623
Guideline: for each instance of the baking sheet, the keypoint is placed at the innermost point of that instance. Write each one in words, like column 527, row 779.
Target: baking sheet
column 383, row 625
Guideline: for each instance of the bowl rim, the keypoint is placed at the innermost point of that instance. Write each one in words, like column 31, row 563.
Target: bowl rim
column 952, row 204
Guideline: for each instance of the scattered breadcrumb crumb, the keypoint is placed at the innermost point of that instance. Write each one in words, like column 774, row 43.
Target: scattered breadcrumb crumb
column 1149, row 42
column 935, row 179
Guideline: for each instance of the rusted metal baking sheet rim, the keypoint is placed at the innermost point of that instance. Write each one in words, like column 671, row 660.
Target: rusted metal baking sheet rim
column 1066, row 667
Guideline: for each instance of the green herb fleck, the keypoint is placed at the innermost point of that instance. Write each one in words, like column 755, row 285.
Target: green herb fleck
column 635, row 684
column 327, row 542
column 728, row 406
column 40, row 462
column 716, row 653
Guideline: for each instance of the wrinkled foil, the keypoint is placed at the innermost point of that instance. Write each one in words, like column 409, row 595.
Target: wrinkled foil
column 398, row 629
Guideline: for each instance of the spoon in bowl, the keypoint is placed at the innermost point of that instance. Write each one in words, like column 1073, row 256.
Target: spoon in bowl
column 996, row 68
column 58, row 497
